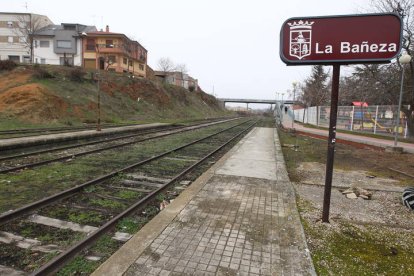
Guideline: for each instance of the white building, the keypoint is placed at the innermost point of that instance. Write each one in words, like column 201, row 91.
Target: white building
column 15, row 34
column 60, row 44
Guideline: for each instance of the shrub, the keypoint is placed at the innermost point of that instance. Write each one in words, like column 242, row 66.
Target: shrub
column 41, row 73
column 76, row 74
column 7, row 65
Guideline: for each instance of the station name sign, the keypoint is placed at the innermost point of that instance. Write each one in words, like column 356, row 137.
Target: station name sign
column 368, row 38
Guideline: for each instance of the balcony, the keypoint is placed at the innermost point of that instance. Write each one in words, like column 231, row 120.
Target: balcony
column 110, row 48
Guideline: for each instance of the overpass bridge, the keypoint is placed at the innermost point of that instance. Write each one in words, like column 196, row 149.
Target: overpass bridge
column 254, row 101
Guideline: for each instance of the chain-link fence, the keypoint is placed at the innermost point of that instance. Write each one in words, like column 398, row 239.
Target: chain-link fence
column 380, row 119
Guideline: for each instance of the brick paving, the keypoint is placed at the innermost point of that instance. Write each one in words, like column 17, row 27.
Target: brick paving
column 236, row 225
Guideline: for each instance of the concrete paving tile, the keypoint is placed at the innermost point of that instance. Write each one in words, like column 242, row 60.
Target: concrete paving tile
column 243, row 220
column 201, row 266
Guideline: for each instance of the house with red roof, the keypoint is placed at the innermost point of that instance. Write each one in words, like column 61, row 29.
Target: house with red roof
column 105, row 50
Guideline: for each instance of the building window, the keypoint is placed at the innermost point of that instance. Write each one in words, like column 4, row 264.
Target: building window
column 42, row 61
column 130, row 63
column 125, row 60
column 141, row 67
column 90, row 44
column 10, row 39
column 10, row 24
column 69, row 27
column 67, row 44
column 14, row 58
column 44, row 43
column 22, row 39
column 109, row 43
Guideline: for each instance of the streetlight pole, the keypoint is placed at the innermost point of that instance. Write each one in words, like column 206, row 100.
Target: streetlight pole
column 293, row 104
column 404, row 59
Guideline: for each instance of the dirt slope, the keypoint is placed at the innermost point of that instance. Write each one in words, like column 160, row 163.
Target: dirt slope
column 26, row 97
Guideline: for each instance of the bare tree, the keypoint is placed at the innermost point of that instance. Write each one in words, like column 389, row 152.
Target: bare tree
column 27, row 26
column 166, row 65
column 315, row 91
column 404, row 8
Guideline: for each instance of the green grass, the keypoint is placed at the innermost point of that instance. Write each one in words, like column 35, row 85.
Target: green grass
column 362, row 251
column 308, row 150
column 86, row 218
column 107, row 203
column 131, row 225
column 78, row 266
column 128, row 194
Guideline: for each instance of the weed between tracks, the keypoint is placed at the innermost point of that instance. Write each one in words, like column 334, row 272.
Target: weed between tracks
column 23, row 187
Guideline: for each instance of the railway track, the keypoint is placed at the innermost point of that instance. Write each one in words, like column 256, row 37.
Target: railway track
column 108, row 200
column 32, row 132
column 38, row 157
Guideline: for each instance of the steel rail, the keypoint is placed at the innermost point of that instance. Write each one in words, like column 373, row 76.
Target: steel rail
column 53, row 129
column 11, row 215
column 32, row 130
column 56, row 263
column 151, row 130
column 84, row 144
column 69, row 156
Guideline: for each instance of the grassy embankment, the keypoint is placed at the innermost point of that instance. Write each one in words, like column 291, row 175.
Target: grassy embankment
column 48, row 96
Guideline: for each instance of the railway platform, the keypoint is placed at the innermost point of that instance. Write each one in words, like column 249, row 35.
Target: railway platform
column 238, row 218
column 12, row 143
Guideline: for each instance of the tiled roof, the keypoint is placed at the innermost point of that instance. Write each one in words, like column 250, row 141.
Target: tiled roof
column 50, row 30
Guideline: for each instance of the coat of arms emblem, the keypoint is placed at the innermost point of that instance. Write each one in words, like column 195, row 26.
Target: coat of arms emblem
column 300, row 39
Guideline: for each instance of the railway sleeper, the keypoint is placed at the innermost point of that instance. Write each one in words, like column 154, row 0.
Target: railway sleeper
column 131, row 189
column 182, row 158
column 31, row 244
column 5, row 270
column 141, row 183
column 61, row 224
column 142, row 177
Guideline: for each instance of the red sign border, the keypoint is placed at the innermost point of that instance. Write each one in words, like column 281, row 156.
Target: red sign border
column 340, row 61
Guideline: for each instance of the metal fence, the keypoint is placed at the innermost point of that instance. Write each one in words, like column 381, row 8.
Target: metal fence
column 380, row 119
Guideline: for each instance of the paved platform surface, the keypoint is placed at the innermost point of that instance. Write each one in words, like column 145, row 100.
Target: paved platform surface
column 378, row 142
column 59, row 137
column 238, row 218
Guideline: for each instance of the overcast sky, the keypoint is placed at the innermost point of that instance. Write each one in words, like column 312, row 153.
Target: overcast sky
column 231, row 45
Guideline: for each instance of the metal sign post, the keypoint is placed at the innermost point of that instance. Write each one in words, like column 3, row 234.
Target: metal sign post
column 331, row 143
column 339, row 40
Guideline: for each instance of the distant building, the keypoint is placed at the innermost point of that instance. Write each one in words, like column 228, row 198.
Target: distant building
column 60, row 44
column 16, row 31
column 105, row 50
column 178, row 78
